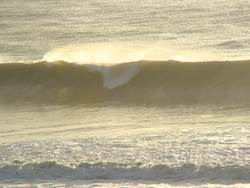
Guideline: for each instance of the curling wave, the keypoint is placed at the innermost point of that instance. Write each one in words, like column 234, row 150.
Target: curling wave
column 142, row 81
column 51, row 169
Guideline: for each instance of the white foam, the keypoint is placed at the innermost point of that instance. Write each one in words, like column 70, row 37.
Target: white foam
column 116, row 75
column 101, row 170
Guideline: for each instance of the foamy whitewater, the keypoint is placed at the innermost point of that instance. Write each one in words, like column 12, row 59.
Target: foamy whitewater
column 125, row 93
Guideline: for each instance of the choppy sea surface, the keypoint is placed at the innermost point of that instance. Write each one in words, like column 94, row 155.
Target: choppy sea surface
column 124, row 93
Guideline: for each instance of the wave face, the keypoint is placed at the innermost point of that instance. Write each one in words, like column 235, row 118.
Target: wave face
column 100, row 170
column 142, row 81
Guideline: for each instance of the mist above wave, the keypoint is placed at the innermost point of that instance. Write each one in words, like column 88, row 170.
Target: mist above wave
column 120, row 52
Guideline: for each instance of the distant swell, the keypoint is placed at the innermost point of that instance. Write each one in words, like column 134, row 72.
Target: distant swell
column 51, row 169
column 143, row 82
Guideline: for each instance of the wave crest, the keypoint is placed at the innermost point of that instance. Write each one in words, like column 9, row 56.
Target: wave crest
column 51, row 169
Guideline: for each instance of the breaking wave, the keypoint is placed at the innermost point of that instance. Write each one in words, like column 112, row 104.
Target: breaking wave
column 141, row 81
column 51, row 169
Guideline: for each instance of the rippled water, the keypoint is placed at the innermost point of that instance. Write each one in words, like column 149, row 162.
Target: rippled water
column 71, row 115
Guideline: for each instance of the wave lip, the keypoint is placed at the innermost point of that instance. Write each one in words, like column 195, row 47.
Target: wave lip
column 51, row 169
column 115, row 75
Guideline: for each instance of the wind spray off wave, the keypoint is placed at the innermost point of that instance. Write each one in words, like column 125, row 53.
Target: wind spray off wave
column 120, row 52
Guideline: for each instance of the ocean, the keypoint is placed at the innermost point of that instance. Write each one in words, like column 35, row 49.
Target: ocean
column 125, row 93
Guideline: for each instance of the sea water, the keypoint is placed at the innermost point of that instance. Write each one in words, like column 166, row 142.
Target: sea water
column 124, row 93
